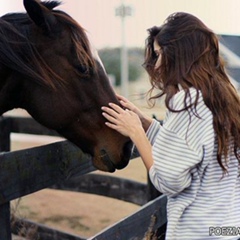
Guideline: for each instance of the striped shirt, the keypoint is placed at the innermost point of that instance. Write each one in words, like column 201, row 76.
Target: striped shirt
column 201, row 202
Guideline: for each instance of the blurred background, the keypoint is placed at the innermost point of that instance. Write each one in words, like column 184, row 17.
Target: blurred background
column 118, row 29
column 99, row 16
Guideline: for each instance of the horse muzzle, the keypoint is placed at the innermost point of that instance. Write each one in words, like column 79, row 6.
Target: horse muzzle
column 109, row 164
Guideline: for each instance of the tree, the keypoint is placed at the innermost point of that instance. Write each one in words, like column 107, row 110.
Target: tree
column 111, row 58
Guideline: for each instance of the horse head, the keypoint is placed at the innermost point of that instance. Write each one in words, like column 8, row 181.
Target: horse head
column 48, row 67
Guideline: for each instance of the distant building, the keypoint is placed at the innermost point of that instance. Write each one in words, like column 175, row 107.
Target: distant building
column 230, row 50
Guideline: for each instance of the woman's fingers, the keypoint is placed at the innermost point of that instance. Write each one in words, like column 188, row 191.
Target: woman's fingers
column 116, row 118
column 113, row 113
column 110, row 118
column 120, row 97
column 123, row 121
column 114, row 110
column 124, row 101
column 127, row 104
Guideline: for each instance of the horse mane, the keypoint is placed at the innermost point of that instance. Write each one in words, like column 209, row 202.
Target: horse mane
column 16, row 50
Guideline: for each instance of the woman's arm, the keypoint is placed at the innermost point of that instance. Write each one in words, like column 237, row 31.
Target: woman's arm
column 144, row 148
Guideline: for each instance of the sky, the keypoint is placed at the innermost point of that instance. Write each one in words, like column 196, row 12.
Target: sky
column 104, row 27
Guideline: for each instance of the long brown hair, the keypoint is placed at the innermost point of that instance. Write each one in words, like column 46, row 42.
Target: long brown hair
column 190, row 57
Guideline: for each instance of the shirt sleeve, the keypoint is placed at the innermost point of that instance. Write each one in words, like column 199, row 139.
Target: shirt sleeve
column 153, row 131
column 173, row 162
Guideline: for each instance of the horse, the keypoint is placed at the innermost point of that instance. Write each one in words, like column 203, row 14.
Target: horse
column 49, row 68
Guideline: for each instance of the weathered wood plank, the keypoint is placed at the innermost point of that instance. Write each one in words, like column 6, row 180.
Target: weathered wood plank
column 32, row 230
column 109, row 186
column 5, row 129
column 27, row 171
column 143, row 224
column 5, row 227
column 29, row 125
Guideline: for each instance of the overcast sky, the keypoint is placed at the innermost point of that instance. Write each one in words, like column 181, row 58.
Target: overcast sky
column 98, row 16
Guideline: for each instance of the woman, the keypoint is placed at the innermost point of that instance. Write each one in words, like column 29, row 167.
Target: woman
column 194, row 157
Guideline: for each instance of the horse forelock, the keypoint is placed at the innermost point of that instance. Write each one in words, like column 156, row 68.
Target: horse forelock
column 80, row 40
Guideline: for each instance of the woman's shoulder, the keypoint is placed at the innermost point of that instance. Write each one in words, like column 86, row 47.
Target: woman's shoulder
column 184, row 98
column 190, row 93
column 195, row 122
column 189, row 104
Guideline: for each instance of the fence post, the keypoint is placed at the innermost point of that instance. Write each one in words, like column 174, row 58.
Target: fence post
column 5, row 130
column 152, row 192
column 5, row 222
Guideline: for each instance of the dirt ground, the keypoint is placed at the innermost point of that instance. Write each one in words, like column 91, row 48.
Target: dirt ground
column 77, row 213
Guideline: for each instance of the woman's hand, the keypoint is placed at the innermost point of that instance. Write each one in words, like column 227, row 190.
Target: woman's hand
column 125, row 121
column 128, row 123
column 129, row 105
column 145, row 120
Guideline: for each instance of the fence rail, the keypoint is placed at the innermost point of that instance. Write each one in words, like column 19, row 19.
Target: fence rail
column 26, row 171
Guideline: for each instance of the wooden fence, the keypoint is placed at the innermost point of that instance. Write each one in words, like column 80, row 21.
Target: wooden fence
column 63, row 166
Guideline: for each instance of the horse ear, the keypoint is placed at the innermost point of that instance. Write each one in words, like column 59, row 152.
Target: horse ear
column 40, row 15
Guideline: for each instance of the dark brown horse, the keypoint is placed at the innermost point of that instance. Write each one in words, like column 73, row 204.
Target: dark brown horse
column 47, row 67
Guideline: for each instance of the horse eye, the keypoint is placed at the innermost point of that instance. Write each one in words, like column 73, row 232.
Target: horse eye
column 156, row 54
column 81, row 68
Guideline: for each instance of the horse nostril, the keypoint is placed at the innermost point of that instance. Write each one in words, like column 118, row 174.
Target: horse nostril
column 107, row 161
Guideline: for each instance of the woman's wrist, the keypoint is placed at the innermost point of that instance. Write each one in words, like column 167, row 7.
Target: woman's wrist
column 144, row 147
column 136, row 134
column 146, row 122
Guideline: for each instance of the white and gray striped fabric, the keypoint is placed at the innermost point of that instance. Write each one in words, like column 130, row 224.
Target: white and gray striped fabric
column 202, row 202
